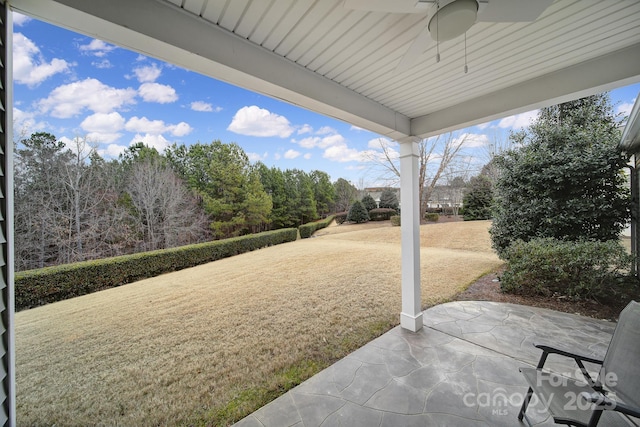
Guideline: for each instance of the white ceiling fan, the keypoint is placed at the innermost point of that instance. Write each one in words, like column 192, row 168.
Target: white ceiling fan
column 447, row 19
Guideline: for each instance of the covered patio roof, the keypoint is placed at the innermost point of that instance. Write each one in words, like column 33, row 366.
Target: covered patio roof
column 342, row 62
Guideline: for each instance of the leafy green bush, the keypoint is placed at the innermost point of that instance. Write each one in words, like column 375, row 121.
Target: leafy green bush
column 369, row 203
column 307, row 230
column 358, row 213
column 395, row 220
column 583, row 269
column 340, row 217
column 388, row 199
column 381, row 214
column 478, row 199
column 50, row 284
column 432, row 217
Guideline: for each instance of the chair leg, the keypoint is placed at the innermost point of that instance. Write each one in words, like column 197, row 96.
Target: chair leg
column 527, row 398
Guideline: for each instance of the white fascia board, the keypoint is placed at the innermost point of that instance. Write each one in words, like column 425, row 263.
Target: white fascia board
column 161, row 30
column 630, row 140
column 606, row 72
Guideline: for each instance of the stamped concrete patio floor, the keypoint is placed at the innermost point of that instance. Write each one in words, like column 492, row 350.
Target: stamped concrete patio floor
column 461, row 369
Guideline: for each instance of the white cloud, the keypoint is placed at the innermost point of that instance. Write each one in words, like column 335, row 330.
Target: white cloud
column 156, row 127
column 256, row 121
column 25, row 123
column 305, row 129
column 291, row 154
column 519, row 120
column 71, row 99
column 325, row 130
column 342, row 153
column 156, row 92
column 307, row 156
column 97, row 48
column 309, row 142
column 483, row 126
column 104, row 64
column 378, row 143
column 103, row 127
column 20, row 19
column 625, row 108
column 104, row 137
column 325, row 142
column 156, row 141
column 29, row 66
column 255, row 157
column 111, row 151
column 201, row 106
column 103, row 122
column 473, row 140
column 148, row 73
column 356, row 129
column 181, row 129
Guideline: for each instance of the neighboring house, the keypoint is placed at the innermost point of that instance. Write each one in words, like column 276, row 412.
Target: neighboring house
column 444, row 196
column 375, row 192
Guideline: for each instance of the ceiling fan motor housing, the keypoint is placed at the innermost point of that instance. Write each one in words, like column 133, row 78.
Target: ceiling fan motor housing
column 453, row 19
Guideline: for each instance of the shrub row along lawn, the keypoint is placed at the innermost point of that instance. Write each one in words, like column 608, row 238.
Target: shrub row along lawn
column 51, row 284
column 207, row 345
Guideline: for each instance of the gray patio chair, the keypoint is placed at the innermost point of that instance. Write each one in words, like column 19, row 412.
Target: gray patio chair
column 611, row 399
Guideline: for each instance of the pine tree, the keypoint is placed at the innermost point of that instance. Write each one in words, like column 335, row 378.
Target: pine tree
column 369, row 203
column 388, row 199
column 358, row 213
column 478, row 199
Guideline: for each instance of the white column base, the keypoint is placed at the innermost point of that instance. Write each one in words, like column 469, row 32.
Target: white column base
column 412, row 323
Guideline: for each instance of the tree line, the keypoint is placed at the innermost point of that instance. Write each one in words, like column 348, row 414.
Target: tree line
column 73, row 205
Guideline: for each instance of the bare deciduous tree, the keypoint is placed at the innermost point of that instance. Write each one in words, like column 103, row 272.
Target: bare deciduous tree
column 168, row 215
column 436, row 156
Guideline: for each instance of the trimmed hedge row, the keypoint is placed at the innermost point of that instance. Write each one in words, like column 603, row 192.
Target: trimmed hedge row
column 382, row 214
column 51, row 284
column 306, row 230
column 432, row 217
column 341, row 217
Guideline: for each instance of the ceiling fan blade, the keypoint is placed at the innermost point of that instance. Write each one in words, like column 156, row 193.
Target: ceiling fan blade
column 512, row 10
column 417, row 48
column 388, row 6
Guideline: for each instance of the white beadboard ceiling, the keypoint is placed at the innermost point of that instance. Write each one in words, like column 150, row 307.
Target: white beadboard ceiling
column 342, row 62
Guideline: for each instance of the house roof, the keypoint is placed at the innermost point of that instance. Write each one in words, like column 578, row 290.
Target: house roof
column 341, row 62
column 630, row 141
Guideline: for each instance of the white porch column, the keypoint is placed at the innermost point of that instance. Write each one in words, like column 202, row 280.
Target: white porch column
column 411, row 316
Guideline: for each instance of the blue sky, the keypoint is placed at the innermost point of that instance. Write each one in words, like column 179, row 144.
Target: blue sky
column 75, row 86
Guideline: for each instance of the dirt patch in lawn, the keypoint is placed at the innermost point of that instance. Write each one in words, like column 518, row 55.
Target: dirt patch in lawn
column 208, row 345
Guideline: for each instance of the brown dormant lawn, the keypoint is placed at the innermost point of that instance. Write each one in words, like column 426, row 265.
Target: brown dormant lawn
column 207, row 344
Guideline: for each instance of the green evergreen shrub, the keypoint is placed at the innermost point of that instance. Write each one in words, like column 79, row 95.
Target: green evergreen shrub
column 582, row 269
column 395, row 220
column 478, row 199
column 369, row 203
column 381, row 214
column 432, row 217
column 358, row 213
column 388, row 199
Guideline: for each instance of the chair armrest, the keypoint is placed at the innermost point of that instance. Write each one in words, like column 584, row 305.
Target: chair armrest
column 606, row 403
column 579, row 359
column 553, row 350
